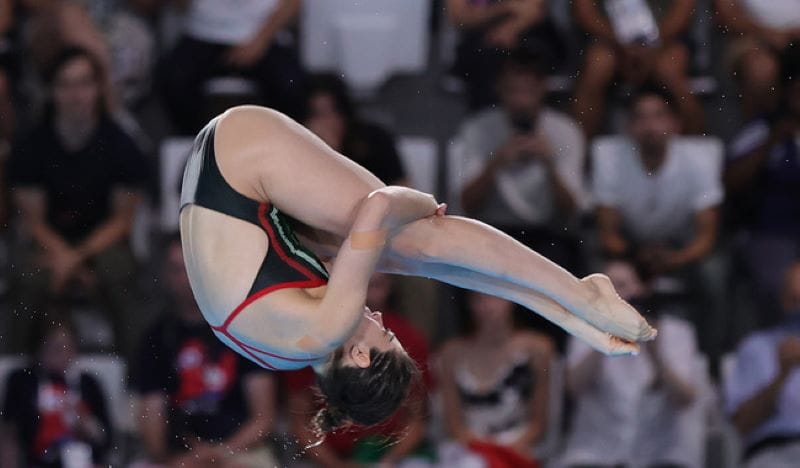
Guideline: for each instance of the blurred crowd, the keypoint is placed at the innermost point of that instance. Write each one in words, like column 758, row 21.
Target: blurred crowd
column 583, row 133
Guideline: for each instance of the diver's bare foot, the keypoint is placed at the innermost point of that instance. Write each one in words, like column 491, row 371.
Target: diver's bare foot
column 610, row 313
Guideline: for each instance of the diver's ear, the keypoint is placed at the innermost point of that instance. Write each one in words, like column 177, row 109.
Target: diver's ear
column 359, row 353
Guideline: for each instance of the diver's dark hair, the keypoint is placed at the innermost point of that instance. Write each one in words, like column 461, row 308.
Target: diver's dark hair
column 364, row 396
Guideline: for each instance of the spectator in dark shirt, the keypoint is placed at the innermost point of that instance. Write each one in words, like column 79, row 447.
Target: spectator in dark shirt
column 490, row 29
column 246, row 37
column 330, row 114
column 197, row 393
column 762, row 179
column 379, row 444
column 51, row 411
column 74, row 180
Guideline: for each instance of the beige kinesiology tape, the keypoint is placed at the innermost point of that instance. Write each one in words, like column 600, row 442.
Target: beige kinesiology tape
column 368, row 240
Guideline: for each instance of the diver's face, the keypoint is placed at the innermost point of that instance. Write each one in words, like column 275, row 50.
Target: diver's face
column 370, row 334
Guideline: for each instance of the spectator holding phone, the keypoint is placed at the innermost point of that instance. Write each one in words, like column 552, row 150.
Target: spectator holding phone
column 522, row 164
column 520, row 168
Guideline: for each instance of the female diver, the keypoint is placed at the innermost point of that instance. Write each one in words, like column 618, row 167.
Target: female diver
column 263, row 200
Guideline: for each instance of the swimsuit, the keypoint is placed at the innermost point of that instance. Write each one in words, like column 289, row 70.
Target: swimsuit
column 287, row 264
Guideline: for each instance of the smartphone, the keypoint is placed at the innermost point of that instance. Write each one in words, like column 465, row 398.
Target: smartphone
column 522, row 123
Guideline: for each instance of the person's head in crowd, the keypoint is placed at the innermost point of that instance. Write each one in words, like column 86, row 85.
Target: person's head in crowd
column 329, row 112
column 56, row 346
column 75, row 79
column 521, row 87
column 176, row 280
column 653, row 119
column 791, row 291
column 489, row 315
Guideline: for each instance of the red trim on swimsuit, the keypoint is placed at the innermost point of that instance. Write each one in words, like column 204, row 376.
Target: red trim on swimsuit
column 313, row 281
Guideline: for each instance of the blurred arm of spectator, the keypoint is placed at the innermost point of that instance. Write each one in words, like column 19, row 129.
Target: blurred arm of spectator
column 519, row 148
column 681, row 390
column 116, row 228
column 64, row 260
column 583, row 373
column 477, row 189
column 451, row 403
column 6, row 16
column 609, row 224
column 734, row 17
column 153, row 426
column 658, row 259
column 676, row 21
column 261, row 394
column 94, row 422
column 250, row 52
column 745, row 168
column 761, row 406
column 412, row 436
column 588, row 17
column 9, row 445
column 468, row 14
column 541, row 360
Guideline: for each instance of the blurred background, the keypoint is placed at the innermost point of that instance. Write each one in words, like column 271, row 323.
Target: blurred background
column 653, row 140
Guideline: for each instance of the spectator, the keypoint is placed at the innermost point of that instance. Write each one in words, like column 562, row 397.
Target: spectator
column 53, row 412
column 492, row 28
column 8, row 58
column 495, row 381
column 660, row 55
column 52, row 25
column 522, row 163
column 761, row 30
column 250, row 37
column 379, row 444
column 658, row 199
column 74, row 180
column 196, row 393
column 763, row 181
column 637, row 411
column 330, row 113
column 763, row 393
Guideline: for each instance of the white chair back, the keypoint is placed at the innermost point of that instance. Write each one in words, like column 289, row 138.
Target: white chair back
column 420, row 157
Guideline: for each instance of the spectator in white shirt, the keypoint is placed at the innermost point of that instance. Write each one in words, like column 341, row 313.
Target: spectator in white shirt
column 522, row 165
column 657, row 200
column 637, row 411
column 763, row 393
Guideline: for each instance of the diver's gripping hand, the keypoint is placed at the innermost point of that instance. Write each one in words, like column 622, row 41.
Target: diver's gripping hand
column 611, row 314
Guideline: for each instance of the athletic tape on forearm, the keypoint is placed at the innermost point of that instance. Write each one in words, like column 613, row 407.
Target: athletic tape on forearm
column 368, row 240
